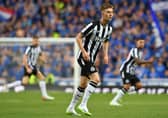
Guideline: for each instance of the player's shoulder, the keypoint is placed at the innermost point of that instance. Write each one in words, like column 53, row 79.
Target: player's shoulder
column 28, row 47
column 132, row 49
column 110, row 28
column 110, row 25
column 95, row 22
column 91, row 24
column 31, row 46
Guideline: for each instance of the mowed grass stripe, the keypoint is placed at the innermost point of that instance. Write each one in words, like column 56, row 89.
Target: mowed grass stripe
column 30, row 105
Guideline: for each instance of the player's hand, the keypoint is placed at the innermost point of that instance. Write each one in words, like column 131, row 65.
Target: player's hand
column 86, row 56
column 106, row 59
column 29, row 70
column 151, row 60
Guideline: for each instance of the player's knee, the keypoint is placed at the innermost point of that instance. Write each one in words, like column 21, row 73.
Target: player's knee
column 40, row 76
column 96, row 80
column 95, row 77
column 83, row 85
column 126, row 87
column 124, row 90
column 25, row 82
column 139, row 86
column 83, row 82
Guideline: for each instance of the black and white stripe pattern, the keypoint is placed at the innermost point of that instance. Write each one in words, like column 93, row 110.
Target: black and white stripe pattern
column 129, row 64
column 32, row 53
column 94, row 35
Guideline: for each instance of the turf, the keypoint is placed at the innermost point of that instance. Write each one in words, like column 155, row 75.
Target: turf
column 29, row 105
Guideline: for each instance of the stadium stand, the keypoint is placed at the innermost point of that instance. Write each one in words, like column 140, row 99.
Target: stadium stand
column 64, row 18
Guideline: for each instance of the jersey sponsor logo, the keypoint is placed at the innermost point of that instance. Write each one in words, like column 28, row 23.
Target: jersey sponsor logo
column 99, row 39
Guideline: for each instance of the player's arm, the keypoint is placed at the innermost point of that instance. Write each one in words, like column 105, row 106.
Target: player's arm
column 25, row 57
column 85, row 31
column 79, row 42
column 138, row 61
column 25, row 60
column 42, row 57
column 106, row 47
column 105, row 51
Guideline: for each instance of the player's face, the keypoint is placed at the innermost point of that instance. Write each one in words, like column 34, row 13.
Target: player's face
column 107, row 14
column 140, row 43
column 35, row 42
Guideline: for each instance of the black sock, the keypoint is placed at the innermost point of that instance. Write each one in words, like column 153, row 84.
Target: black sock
column 81, row 89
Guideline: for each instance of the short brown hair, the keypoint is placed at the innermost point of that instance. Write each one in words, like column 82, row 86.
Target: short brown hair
column 35, row 37
column 106, row 6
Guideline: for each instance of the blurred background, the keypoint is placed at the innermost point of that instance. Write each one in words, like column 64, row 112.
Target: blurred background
column 65, row 18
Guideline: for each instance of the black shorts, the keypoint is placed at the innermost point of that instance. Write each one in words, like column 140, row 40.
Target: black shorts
column 129, row 79
column 87, row 69
column 34, row 71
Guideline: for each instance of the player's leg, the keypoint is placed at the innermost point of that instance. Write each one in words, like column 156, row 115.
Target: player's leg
column 139, row 88
column 77, row 95
column 138, row 85
column 42, row 85
column 135, row 88
column 131, row 89
column 20, row 86
column 25, row 80
column 127, row 81
column 120, row 94
column 94, row 80
column 14, row 84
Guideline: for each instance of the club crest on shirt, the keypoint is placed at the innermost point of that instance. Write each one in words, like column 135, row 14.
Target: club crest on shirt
column 127, row 81
column 92, row 68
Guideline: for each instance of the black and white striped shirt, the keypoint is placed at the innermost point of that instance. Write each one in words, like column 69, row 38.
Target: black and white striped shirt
column 129, row 65
column 94, row 35
column 33, row 53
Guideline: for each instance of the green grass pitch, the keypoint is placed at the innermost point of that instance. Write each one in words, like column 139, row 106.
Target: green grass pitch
column 29, row 105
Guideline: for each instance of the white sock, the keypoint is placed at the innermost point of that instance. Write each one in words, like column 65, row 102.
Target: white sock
column 43, row 89
column 119, row 95
column 89, row 90
column 18, row 89
column 76, row 96
column 131, row 89
column 3, row 89
column 14, row 84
